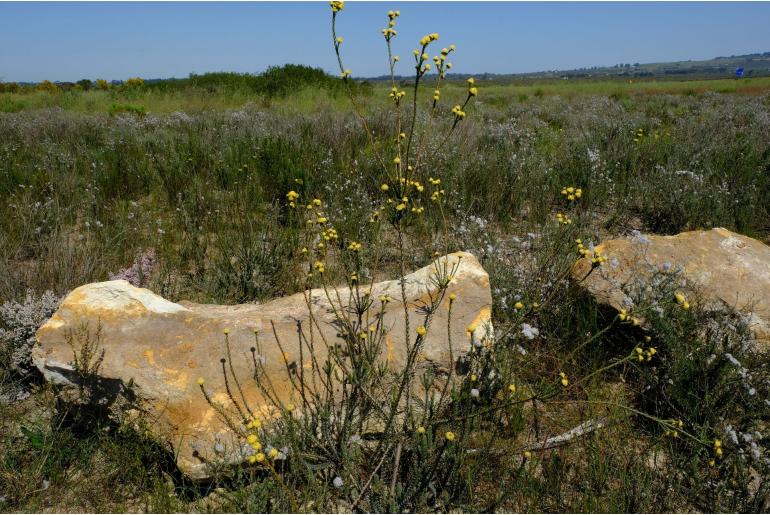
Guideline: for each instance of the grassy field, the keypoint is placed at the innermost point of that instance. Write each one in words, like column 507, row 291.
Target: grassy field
column 198, row 99
column 200, row 179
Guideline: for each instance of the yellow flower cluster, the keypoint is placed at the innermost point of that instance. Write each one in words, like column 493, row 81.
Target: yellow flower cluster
column 563, row 219
column 421, row 330
column 396, row 95
column 326, row 235
column 442, row 65
column 681, row 300
column 436, row 195
column 252, row 440
column 390, row 31
column 718, row 448
column 625, row 316
column 674, row 433
column 572, row 193
column 412, row 184
column 458, row 112
column 257, row 458
column 420, row 56
column 564, row 379
column 337, row 5
column 354, row 246
column 643, row 355
column 330, row 234
column 427, row 39
column 595, row 255
column 472, row 89
column 639, row 135
column 292, row 197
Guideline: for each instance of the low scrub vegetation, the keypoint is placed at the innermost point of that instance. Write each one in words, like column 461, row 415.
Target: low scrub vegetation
column 213, row 206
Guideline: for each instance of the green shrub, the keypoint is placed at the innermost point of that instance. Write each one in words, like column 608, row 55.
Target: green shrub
column 116, row 109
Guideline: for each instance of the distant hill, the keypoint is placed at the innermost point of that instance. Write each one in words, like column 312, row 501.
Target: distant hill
column 754, row 65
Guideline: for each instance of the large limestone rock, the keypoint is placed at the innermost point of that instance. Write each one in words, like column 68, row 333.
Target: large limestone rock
column 155, row 350
column 725, row 268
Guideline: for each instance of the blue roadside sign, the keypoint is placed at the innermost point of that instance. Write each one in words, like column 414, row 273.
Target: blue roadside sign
column 738, row 73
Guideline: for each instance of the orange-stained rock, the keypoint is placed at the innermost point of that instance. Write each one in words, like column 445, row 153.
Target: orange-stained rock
column 155, row 350
column 726, row 269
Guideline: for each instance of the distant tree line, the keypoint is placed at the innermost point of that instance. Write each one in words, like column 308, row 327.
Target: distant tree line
column 83, row 85
column 275, row 81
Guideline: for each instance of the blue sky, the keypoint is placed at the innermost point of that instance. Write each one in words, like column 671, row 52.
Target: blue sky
column 70, row 41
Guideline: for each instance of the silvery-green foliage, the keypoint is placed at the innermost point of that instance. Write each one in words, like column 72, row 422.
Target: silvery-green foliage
column 18, row 323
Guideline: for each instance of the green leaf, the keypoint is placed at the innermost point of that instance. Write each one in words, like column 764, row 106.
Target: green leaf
column 35, row 438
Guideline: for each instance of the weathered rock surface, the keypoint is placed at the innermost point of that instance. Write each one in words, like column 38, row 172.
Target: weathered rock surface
column 726, row 268
column 155, row 350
